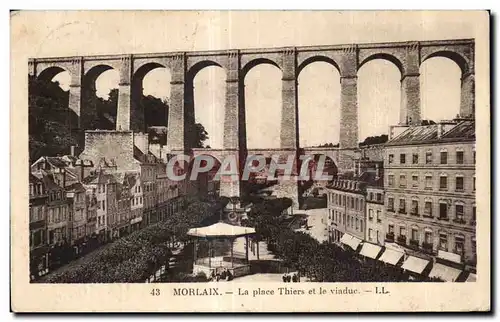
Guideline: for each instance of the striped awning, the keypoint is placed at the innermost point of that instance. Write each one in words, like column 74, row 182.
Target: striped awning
column 446, row 273
column 370, row 250
column 391, row 256
column 415, row 264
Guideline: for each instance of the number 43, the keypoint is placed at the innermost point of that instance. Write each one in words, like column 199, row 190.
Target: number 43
column 155, row 292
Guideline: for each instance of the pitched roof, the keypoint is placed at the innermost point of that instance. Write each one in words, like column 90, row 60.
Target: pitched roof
column 416, row 134
column 463, row 131
column 77, row 186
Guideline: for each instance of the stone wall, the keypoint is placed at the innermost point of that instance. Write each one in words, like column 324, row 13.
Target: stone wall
column 111, row 145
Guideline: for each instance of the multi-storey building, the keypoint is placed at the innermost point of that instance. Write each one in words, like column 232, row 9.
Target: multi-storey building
column 149, row 170
column 430, row 190
column 133, row 180
column 120, row 223
column 77, row 223
column 103, row 186
column 375, row 214
column 347, row 200
column 38, row 198
column 57, row 221
column 346, row 210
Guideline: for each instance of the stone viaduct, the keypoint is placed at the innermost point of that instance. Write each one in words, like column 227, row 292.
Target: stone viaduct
column 348, row 59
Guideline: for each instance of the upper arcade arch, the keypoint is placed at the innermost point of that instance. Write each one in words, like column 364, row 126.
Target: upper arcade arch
column 256, row 62
column 50, row 72
column 390, row 57
column 460, row 60
column 303, row 61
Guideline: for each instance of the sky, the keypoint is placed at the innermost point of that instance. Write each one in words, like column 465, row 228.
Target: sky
column 319, row 83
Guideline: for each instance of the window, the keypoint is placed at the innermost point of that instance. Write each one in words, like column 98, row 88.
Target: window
column 402, row 231
column 379, row 197
column 443, row 241
column 460, row 157
column 428, row 182
column 357, row 223
column 402, row 180
column 443, row 182
column 459, row 183
column 391, row 158
column 352, row 203
column 362, row 226
column 370, row 214
column 414, row 234
column 378, row 216
column 357, row 207
column 443, row 211
column 474, row 156
column 415, row 158
column 473, row 245
column 414, row 207
column 391, row 180
column 459, row 245
column 428, row 157
column 473, row 214
column 474, row 184
column 459, row 212
column 390, row 204
column 444, row 157
column 428, row 208
column 402, row 205
column 370, row 233
column 428, row 237
column 414, row 179
column 391, row 229
column 402, row 158
column 370, row 196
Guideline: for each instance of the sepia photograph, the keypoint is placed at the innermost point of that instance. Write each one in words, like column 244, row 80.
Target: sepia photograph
column 325, row 151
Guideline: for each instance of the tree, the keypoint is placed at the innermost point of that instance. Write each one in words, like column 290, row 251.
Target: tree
column 371, row 140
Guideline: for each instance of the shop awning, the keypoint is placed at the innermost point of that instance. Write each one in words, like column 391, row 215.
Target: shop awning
column 346, row 238
column 452, row 257
column 391, row 256
column 471, row 278
column 446, row 273
column 370, row 250
column 415, row 264
column 350, row 241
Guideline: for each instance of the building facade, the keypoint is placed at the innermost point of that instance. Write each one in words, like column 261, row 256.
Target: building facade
column 346, row 209
column 39, row 257
column 430, row 189
column 375, row 215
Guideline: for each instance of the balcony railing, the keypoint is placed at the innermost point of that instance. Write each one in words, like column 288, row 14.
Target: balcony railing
column 444, row 218
column 460, row 221
column 389, row 237
column 401, row 239
column 414, row 243
column 427, row 247
column 391, row 209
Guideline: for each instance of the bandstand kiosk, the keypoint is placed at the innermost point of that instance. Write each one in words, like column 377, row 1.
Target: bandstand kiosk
column 212, row 263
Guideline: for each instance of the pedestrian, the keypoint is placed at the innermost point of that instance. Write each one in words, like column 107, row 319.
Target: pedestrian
column 294, row 278
column 284, row 278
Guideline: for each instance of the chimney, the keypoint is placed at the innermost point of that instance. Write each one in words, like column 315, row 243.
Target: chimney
column 440, row 130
